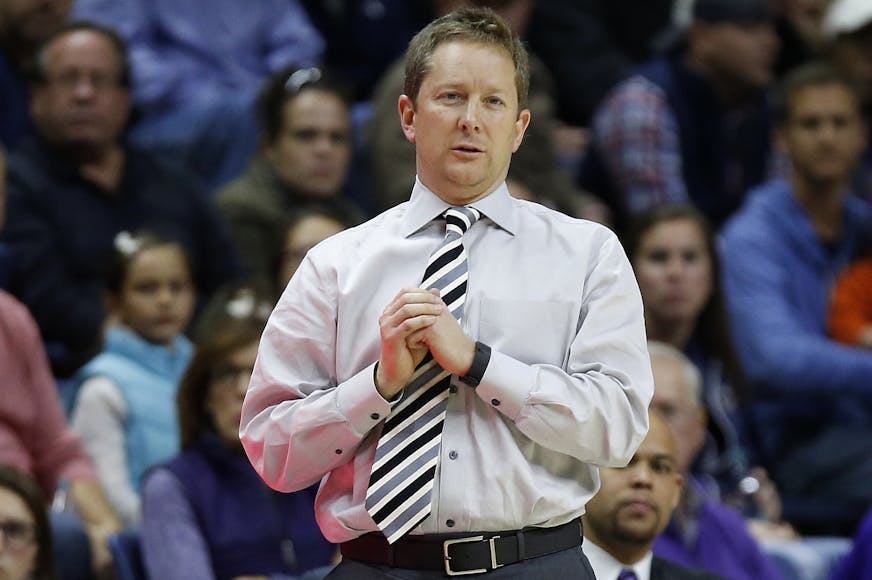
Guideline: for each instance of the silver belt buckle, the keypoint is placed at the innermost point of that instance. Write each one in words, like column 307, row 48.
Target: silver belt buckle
column 493, row 555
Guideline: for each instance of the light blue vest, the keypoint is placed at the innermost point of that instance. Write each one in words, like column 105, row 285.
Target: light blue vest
column 148, row 377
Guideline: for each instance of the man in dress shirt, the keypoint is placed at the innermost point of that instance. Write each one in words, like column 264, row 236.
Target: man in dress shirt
column 549, row 371
column 632, row 508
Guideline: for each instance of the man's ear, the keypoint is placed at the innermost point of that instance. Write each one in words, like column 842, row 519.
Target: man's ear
column 406, row 108
column 521, row 127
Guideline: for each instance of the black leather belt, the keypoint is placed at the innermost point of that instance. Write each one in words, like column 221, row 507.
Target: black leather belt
column 475, row 553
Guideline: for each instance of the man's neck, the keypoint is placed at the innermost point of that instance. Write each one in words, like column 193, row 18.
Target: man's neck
column 673, row 332
column 824, row 202
column 104, row 169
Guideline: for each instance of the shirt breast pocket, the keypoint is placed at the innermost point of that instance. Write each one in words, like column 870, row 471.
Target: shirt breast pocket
column 532, row 332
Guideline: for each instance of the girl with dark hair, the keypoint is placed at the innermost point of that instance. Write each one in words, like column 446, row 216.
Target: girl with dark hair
column 124, row 409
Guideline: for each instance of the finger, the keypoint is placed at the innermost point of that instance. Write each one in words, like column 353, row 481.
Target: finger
column 410, row 296
column 408, row 311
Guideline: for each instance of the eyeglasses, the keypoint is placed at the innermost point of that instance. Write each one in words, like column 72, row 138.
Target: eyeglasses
column 300, row 78
column 17, row 534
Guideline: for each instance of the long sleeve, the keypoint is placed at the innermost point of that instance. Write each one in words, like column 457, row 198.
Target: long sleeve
column 784, row 345
column 636, row 134
column 99, row 417
column 34, row 435
column 173, row 547
column 61, row 301
column 566, row 389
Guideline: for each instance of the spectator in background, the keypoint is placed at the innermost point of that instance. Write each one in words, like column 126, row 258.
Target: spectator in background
column 591, row 45
column 125, row 411
column 800, row 27
column 207, row 513
column 72, row 190
column 535, row 173
column 24, row 25
column 35, row 439
column 632, row 507
column 672, row 249
column 26, row 547
column 362, row 39
column 693, row 126
column 302, row 233
column 303, row 164
column 781, row 253
column 196, row 71
column 704, row 532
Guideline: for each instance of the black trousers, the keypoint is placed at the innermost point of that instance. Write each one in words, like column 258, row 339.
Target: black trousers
column 571, row 563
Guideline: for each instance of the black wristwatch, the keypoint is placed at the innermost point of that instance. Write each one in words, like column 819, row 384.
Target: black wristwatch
column 478, row 366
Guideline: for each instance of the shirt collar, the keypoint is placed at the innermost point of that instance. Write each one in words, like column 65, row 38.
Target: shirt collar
column 607, row 567
column 424, row 206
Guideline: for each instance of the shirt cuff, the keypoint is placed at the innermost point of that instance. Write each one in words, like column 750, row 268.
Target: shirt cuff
column 360, row 402
column 506, row 384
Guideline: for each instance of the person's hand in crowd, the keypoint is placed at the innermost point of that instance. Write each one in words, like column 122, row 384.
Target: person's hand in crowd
column 411, row 311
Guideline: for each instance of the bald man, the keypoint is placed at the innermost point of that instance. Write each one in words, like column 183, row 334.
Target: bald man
column 633, row 506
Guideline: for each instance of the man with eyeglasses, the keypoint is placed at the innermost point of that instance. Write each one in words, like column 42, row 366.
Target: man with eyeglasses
column 78, row 184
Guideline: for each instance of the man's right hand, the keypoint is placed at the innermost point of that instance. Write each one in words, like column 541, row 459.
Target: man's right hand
column 411, row 310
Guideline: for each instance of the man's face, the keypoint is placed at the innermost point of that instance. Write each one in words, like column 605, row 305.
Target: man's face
column 32, row 21
column 674, row 402
column 741, row 56
column 824, row 134
column 82, row 102
column 465, row 122
column 634, row 503
column 313, row 149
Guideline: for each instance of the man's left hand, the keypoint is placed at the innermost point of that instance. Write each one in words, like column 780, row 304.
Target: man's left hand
column 451, row 347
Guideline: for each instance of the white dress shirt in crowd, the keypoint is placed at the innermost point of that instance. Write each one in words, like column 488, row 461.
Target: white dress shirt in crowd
column 606, row 567
column 567, row 387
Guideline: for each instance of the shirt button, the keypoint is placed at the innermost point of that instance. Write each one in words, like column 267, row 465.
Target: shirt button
column 449, row 523
column 452, row 389
column 338, row 452
column 452, row 454
column 374, row 416
column 495, row 402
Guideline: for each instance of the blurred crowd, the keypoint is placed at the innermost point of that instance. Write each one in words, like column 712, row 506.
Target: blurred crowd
column 165, row 166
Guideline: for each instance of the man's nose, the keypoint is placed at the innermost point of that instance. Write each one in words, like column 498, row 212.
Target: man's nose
column 469, row 121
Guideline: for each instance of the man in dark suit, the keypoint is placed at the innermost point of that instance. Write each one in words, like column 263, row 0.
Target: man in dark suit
column 632, row 508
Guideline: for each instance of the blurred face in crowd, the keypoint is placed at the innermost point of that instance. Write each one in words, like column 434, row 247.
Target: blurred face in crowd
column 313, row 149
column 18, row 546
column 157, row 295
column 677, row 402
column 674, row 271
column 301, row 237
column 81, row 105
column 634, row 504
column 824, row 133
column 227, row 391
column 465, row 121
column 738, row 57
column 32, row 21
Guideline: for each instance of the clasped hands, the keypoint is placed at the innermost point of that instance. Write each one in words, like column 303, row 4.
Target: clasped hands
column 415, row 321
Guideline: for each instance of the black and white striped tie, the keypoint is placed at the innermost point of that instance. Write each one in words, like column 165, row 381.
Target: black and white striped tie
column 401, row 482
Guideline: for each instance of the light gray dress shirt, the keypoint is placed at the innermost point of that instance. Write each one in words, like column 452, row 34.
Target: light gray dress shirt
column 566, row 390
column 607, row 567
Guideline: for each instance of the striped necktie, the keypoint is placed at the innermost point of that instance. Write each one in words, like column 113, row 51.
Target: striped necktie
column 627, row 574
column 401, row 483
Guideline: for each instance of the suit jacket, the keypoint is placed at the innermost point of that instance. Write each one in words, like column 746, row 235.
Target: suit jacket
column 663, row 569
